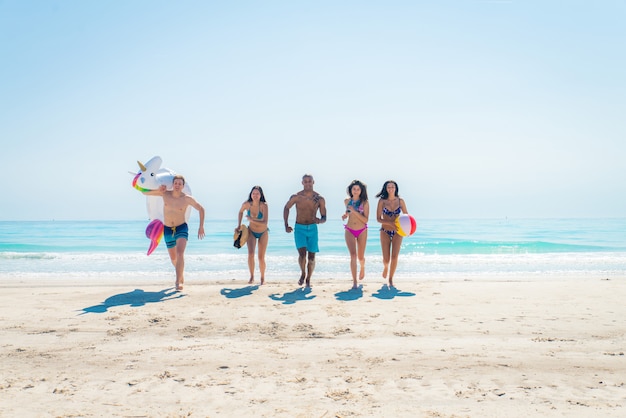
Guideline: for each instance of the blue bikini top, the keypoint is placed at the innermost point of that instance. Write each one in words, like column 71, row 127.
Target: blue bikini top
column 258, row 216
column 392, row 213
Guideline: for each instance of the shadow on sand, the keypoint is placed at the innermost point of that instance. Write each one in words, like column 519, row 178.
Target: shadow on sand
column 290, row 298
column 237, row 293
column 133, row 299
column 390, row 292
column 352, row 294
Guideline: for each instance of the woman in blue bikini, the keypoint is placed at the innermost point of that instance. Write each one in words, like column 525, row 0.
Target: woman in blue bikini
column 256, row 211
column 390, row 206
column 357, row 214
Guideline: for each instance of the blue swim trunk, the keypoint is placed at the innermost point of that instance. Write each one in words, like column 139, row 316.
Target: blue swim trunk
column 306, row 236
column 171, row 234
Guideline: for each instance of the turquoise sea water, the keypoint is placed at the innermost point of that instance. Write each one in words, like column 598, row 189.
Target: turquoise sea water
column 440, row 249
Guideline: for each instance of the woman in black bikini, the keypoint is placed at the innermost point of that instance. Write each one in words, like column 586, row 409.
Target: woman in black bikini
column 357, row 213
column 256, row 211
column 390, row 206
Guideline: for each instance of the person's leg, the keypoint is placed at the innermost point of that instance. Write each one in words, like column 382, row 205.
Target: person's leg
column 261, row 253
column 299, row 235
column 172, row 254
column 351, row 244
column 251, row 246
column 361, row 243
column 181, row 244
column 385, row 245
column 312, row 247
column 310, row 268
column 170, row 241
column 302, row 263
column 395, row 251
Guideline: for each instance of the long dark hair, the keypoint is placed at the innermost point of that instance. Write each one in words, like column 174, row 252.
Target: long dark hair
column 384, row 194
column 260, row 189
column 363, row 187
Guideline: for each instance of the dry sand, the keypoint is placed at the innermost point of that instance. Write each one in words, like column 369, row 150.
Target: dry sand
column 449, row 348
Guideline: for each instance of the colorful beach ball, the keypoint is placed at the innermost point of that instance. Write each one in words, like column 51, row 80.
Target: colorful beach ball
column 406, row 225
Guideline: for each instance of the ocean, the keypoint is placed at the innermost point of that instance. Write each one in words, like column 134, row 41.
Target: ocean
column 441, row 249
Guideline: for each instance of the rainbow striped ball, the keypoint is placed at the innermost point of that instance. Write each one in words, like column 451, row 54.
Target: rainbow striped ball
column 406, row 225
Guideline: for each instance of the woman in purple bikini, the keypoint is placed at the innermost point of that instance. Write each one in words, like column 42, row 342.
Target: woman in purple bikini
column 357, row 213
column 390, row 206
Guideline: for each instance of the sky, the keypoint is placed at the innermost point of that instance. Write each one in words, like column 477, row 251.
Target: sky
column 477, row 109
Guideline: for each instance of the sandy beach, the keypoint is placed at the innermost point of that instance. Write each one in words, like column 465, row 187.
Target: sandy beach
column 448, row 348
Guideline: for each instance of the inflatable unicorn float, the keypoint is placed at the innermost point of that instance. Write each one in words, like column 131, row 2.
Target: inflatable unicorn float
column 150, row 177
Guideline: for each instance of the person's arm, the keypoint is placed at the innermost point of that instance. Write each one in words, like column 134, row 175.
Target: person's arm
column 197, row 206
column 379, row 211
column 240, row 216
column 403, row 206
column 266, row 215
column 201, row 227
column 347, row 211
column 381, row 219
column 288, row 206
column 157, row 192
column 322, row 203
column 366, row 213
column 361, row 217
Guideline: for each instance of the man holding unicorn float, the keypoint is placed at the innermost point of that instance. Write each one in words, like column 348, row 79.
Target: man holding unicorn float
column 175, row 230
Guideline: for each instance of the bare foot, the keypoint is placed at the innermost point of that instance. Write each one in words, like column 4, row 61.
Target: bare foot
column 385, row 271
column 251, row 280
column 301, row 281
column 262, row 281
column 308, row 282
column 362, row 273
column 179, row 286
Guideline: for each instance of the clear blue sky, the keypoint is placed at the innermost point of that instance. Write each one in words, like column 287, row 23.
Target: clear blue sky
column 476, row 108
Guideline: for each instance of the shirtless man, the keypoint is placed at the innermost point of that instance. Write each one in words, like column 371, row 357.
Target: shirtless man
column 307, row 202
column 175, row 203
